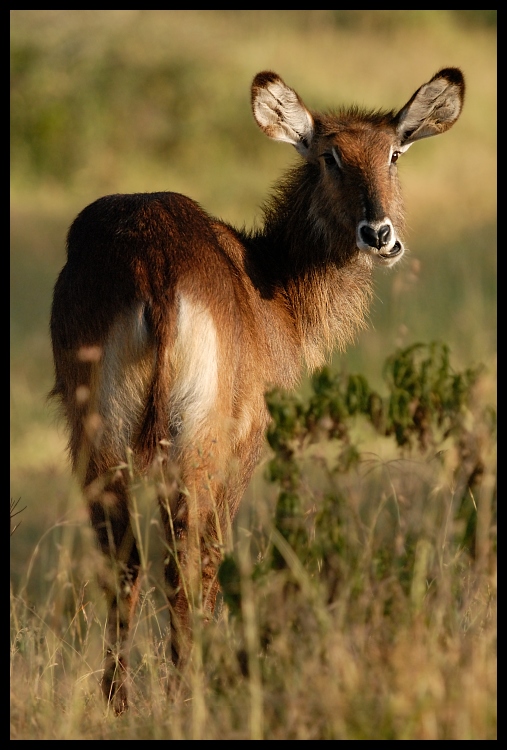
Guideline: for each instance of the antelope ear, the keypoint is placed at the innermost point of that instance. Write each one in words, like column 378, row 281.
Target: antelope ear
column 434, row 107
column 280, row 113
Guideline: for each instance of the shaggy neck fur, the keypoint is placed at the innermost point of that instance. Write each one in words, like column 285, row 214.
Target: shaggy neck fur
column 315, row 266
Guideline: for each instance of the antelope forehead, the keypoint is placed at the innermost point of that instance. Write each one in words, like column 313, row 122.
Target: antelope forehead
column 359, row 144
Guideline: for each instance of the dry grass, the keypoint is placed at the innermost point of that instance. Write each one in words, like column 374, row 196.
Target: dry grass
column 397, row 640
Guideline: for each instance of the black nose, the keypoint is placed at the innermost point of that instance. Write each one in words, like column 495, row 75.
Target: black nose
column 376, row 238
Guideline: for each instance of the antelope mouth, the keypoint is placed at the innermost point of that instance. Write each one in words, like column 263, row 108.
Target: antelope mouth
column 393, row 255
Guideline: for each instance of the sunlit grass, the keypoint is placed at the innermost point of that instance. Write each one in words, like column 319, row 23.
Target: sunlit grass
column 405, row 655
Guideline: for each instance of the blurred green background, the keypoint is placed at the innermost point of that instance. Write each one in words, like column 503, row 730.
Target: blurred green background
column 131, row 100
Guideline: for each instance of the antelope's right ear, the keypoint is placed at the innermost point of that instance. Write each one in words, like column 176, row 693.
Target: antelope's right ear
column 280, row 113
column 434, row 107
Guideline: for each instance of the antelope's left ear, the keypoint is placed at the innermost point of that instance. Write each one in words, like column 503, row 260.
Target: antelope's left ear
column 434, row 107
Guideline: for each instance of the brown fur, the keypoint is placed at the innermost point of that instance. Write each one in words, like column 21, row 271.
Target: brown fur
column 168, row 326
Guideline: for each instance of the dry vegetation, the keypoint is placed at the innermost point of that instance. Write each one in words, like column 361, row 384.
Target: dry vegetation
column 360, row 582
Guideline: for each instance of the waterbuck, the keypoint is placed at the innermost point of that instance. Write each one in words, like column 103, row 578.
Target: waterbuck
column 168, row 326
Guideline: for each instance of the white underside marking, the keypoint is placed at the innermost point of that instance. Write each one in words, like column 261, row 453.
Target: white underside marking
column 126, row 371
column 194, row 362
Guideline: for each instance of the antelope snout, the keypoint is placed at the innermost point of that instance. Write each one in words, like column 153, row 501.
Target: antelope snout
column 379, row 239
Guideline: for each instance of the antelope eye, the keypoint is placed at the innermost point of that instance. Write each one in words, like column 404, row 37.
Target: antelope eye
column 396, row 155
column 329, row 160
